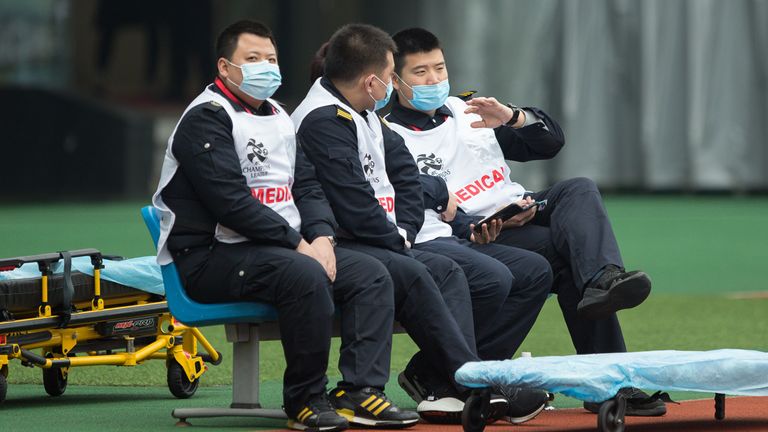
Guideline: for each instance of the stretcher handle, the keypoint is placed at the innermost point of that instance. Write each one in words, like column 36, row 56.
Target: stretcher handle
column 17, row 262
column 48, row 258
column 69, row 290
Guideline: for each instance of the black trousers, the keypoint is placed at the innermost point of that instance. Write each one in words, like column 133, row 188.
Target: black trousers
column 508, row 287
column 432, row 303
column 304, row 298
column 574, row 234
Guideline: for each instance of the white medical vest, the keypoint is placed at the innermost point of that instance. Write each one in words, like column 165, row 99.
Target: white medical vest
column 266, row 147
column 468, row 159
column 370, row 145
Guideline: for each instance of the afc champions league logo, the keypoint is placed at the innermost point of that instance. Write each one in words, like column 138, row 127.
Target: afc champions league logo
column 430, row 164
column 368, row 165
column 256, row 153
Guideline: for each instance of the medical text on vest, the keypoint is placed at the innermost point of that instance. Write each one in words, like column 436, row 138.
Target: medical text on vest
column 482, row 184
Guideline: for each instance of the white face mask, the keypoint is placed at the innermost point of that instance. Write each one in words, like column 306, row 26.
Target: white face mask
column 260, row 80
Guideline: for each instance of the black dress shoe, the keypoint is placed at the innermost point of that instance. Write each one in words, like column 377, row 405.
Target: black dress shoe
column 614, row 290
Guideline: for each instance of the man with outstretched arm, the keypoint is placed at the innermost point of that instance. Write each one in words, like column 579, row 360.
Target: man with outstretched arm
column 473, row 138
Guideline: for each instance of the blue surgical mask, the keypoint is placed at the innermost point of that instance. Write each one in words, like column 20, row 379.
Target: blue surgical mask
column 260, row 80
column 429, row 97
column 381, row 103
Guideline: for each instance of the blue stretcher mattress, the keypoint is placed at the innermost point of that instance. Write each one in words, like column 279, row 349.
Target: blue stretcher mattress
column 20, row 289
column 142, row 273
column 598, row 377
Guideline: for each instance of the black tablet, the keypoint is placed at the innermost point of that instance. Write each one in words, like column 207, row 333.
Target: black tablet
column 508, row 212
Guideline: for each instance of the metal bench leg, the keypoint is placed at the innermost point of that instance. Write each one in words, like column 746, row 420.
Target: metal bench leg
column 245, row 380
column 245, row 364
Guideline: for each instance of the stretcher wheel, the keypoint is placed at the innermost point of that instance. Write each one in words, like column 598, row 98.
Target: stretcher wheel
column 54, row 381
column 3, row 387
column 611, row 416
column 475, row 414
column 178, row 383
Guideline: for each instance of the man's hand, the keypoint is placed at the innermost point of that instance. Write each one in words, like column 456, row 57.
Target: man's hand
column 493, row 113
column 324, row 249
column 450, row 209
column 523, row 218
column 318, row 253
column 487, row 234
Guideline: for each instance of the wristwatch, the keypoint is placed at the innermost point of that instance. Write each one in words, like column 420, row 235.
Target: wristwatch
column 515, row 114
column 331, row 239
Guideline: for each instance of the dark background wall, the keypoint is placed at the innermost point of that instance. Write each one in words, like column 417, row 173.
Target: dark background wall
column 658, row 95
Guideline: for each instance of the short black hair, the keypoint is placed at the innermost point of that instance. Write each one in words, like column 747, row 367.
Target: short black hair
column 413, row 41
column 226, row 43
column 355, row 49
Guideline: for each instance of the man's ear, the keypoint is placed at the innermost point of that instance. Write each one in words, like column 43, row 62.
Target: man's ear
column 223, row 67
column 396, row 82
column 366, row 83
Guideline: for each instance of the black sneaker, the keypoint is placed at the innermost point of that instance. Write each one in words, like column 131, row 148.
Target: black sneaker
column 410, row 383
column 499, row 407
column 317, row 414
column 524, row 404
column 614, row 290
column 639, row 404
column 370, row 407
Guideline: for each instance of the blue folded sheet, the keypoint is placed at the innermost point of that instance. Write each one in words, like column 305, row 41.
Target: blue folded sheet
column 598, row 377
column 142, row 273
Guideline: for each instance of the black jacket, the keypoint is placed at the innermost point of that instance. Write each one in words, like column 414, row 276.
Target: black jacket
column 330, row 142
column 209, row 187
column 533, row 142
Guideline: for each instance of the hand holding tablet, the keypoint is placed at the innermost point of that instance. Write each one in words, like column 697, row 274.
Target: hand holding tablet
column 508, row 212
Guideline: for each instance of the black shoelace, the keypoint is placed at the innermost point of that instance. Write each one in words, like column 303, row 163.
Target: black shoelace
column 320, row 404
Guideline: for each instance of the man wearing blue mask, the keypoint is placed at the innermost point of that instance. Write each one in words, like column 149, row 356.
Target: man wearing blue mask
column 463, row 143
column 243, row 218
column 374, row 189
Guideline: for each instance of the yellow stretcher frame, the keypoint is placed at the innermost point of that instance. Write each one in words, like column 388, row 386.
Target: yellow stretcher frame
column 124, row 331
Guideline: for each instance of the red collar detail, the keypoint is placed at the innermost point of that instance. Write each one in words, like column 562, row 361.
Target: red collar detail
column 231, row 96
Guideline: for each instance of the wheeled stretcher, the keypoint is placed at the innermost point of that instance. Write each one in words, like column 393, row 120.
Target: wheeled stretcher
column 599, row 377
column 63, row 310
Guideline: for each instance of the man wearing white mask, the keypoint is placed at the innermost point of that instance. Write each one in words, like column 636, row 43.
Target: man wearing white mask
column 245, row 219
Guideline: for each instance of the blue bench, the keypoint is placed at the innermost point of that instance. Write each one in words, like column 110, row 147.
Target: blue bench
column 245, row 325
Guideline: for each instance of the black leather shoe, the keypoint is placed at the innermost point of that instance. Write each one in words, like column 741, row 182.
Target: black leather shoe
column 614, row 290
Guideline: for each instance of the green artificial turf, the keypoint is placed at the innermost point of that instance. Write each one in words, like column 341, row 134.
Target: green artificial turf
column 686, row 244
column 113, row 228
column 698, row 251
column 694, row 244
